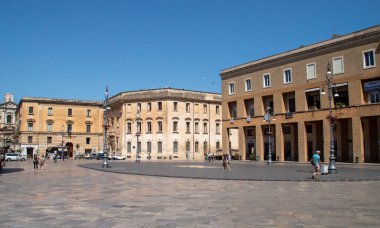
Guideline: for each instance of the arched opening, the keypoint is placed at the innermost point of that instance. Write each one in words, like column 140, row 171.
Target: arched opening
column 70, row 149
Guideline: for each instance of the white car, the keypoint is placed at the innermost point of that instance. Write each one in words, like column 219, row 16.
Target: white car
column 13, row 157
column 120, row 157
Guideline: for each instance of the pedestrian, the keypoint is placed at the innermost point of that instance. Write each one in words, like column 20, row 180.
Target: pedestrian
column 315, row 161
column 224, row 159
column 42, row 162
column 35, row 161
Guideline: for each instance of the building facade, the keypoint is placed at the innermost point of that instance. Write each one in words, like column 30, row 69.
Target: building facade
column 7, row 122
column 281, row 102
column 165, row 124
column 43, row 125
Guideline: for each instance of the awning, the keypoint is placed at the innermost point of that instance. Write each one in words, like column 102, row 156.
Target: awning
column 312, row 90
column 372, row 86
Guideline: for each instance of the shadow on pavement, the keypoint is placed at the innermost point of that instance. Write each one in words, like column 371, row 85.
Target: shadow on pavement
column 11, row 170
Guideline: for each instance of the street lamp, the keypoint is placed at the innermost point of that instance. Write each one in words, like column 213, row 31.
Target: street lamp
column 138, row 133
column 267, row 118
column 106, row 109
column 329, row 77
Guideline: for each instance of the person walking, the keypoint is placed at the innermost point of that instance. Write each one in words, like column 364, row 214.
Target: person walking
column 316, row 160
column 35, row 161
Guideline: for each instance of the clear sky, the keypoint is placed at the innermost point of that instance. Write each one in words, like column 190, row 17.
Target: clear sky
column 72, row 49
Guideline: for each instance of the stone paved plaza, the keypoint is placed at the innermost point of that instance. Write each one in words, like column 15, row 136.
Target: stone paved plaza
column 65, row 195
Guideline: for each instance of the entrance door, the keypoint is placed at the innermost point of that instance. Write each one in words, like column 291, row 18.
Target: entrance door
column 250, row 153
column 29, row 152
column 70, row 150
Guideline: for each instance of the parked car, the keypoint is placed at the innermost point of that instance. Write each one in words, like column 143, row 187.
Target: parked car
column 120, row 157
column 87, row 156
column 93, row 156
column 13, row 157
column 100, row 156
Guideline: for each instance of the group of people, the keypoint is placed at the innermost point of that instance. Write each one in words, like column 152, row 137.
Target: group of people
column 38, row 161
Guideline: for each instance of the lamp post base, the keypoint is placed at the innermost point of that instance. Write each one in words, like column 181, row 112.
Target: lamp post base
column 105, row 163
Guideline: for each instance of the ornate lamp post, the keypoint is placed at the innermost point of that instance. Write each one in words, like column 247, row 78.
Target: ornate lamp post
column 106, row 108
column 138, row 133
column 329, row 77
column 267, row 118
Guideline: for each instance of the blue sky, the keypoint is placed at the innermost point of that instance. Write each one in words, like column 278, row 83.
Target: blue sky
column 72, row 49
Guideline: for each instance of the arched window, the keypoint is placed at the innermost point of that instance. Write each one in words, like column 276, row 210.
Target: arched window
column 9, row 119
column 175, row 147
column 149, row 147
column 159, row 147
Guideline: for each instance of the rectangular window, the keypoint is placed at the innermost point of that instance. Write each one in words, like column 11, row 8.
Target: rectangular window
column 231, row 90
column 248, row 85
column 368, row 59
column 175, row 126
column 266, row 80
column 159, row 124
column 138, row 126
column 159, row 106
column 149, row 107
column 30, row 139
column 217, row 145
column 149, row 127
column 129, row 127
column 338, row 67
column 175, row 147
column 88, row 140
column 50, row 111
column 175, row 106
column 30, row 126
column 205, row 108
column 88, row 128
column 49, row 139
column 196, row 127
column 159, row 147
column 374, row 97
column 187, row 107
column 149, row 147
column 49, row 127
column 217, row 109
column 217, row 128
column 88, row 112
column 287, row 76
column 30, row 110
column 69, row 112
column 69, row 128
column 138, row 107
column 205, row 129
column 187, row 127
column 310, row 71
column 196, row 147
column 129, row 147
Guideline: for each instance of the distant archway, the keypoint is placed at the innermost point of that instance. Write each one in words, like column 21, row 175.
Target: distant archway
column 70, row 149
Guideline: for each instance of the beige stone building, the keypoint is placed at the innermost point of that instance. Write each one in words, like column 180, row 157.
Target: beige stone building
column 7, row 122
column 44, row 125
column 165, row 124
column 292, row 85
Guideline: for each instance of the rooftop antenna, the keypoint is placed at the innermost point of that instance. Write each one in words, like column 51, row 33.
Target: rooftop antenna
column 334, row 35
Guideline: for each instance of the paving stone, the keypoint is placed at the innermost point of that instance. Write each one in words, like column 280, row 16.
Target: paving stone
column 65, row 195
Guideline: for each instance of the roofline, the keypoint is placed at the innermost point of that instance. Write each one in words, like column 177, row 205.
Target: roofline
column 59, row 101
column 366, row 31
column 168, row 88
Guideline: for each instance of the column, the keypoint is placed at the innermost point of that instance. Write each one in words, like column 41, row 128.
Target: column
column 242, row 143
column 259, row 143
column 326, row 140
column 357, row 139
column 302, row 142
column 279, row 143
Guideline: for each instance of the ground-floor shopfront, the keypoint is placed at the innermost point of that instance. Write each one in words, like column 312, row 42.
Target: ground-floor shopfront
column 355, row 130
